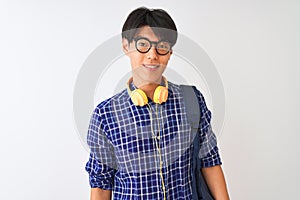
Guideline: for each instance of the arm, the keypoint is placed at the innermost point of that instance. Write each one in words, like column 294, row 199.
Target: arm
column 99, row 194
column 208, row 154
column 216, row 182
column 100, row 166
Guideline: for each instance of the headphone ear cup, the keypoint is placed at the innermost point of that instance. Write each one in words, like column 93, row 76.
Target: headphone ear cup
column 160, row 94
column 138, row 97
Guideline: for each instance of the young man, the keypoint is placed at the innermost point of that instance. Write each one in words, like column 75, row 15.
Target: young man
column 140, row 139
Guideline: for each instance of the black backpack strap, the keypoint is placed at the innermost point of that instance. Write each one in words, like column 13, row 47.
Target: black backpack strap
column 199, row 187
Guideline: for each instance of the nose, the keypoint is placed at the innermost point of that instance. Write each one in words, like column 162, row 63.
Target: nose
column 152, row 54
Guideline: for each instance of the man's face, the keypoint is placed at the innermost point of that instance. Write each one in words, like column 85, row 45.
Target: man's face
column 147, row 68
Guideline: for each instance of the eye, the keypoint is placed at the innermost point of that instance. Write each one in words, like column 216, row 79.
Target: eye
column 143, row 43
column 163, row 45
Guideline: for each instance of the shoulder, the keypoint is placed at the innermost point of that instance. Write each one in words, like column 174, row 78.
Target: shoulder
column 177, row 89
column 200, row 96
column 109, row 104
column 173, row 86
column 205, row 112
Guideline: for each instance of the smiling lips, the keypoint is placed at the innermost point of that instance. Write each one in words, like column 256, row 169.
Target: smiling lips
column 151, row 67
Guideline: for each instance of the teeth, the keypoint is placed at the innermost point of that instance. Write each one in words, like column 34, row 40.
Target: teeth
column 152, row 66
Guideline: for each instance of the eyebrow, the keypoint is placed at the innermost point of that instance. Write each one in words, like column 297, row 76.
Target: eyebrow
column 140, row 37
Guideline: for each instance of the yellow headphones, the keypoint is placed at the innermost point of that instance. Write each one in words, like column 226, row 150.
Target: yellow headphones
column 139, row 97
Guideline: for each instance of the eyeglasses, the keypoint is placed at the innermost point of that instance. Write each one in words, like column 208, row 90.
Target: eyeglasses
column 143, row 45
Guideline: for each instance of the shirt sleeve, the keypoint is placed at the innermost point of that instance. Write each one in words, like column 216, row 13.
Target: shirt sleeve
column 101, row 163
column 209, row 152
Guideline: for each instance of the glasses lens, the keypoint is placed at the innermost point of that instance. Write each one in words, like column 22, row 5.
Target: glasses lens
column 143, row 45
column 163, row 47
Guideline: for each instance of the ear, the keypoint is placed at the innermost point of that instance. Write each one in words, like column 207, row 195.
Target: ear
column 125, row 45
column 171, row 52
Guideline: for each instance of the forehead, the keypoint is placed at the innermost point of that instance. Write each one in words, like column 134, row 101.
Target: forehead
column 147, row 32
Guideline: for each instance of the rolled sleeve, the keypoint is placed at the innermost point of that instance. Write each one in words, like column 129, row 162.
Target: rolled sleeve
column 100, row 176
column 209, row 152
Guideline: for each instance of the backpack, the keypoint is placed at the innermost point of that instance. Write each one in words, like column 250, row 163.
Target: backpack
column 199, row 186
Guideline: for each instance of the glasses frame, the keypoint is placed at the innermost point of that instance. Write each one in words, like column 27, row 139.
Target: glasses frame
column 151, row 44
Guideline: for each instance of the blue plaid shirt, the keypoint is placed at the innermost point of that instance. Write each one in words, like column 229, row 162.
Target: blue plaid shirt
column 145, row 152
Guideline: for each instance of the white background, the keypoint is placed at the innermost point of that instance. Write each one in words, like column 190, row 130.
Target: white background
column 255, row 46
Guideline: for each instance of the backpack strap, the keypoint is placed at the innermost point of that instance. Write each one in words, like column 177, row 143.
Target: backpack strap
column 191, row 105
column 199, row 187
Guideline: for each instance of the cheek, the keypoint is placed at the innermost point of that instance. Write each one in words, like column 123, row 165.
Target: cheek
column 165, row 60
column 136, row 59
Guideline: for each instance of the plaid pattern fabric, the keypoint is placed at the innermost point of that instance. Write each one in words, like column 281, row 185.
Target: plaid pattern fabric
column 146, row 152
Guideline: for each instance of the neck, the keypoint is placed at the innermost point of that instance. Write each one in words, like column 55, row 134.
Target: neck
column 147, row 87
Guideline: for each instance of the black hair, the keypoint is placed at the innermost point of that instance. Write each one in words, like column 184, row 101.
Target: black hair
column 159, row 20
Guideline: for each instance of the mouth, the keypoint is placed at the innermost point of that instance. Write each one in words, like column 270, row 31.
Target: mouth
column 151, row 67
